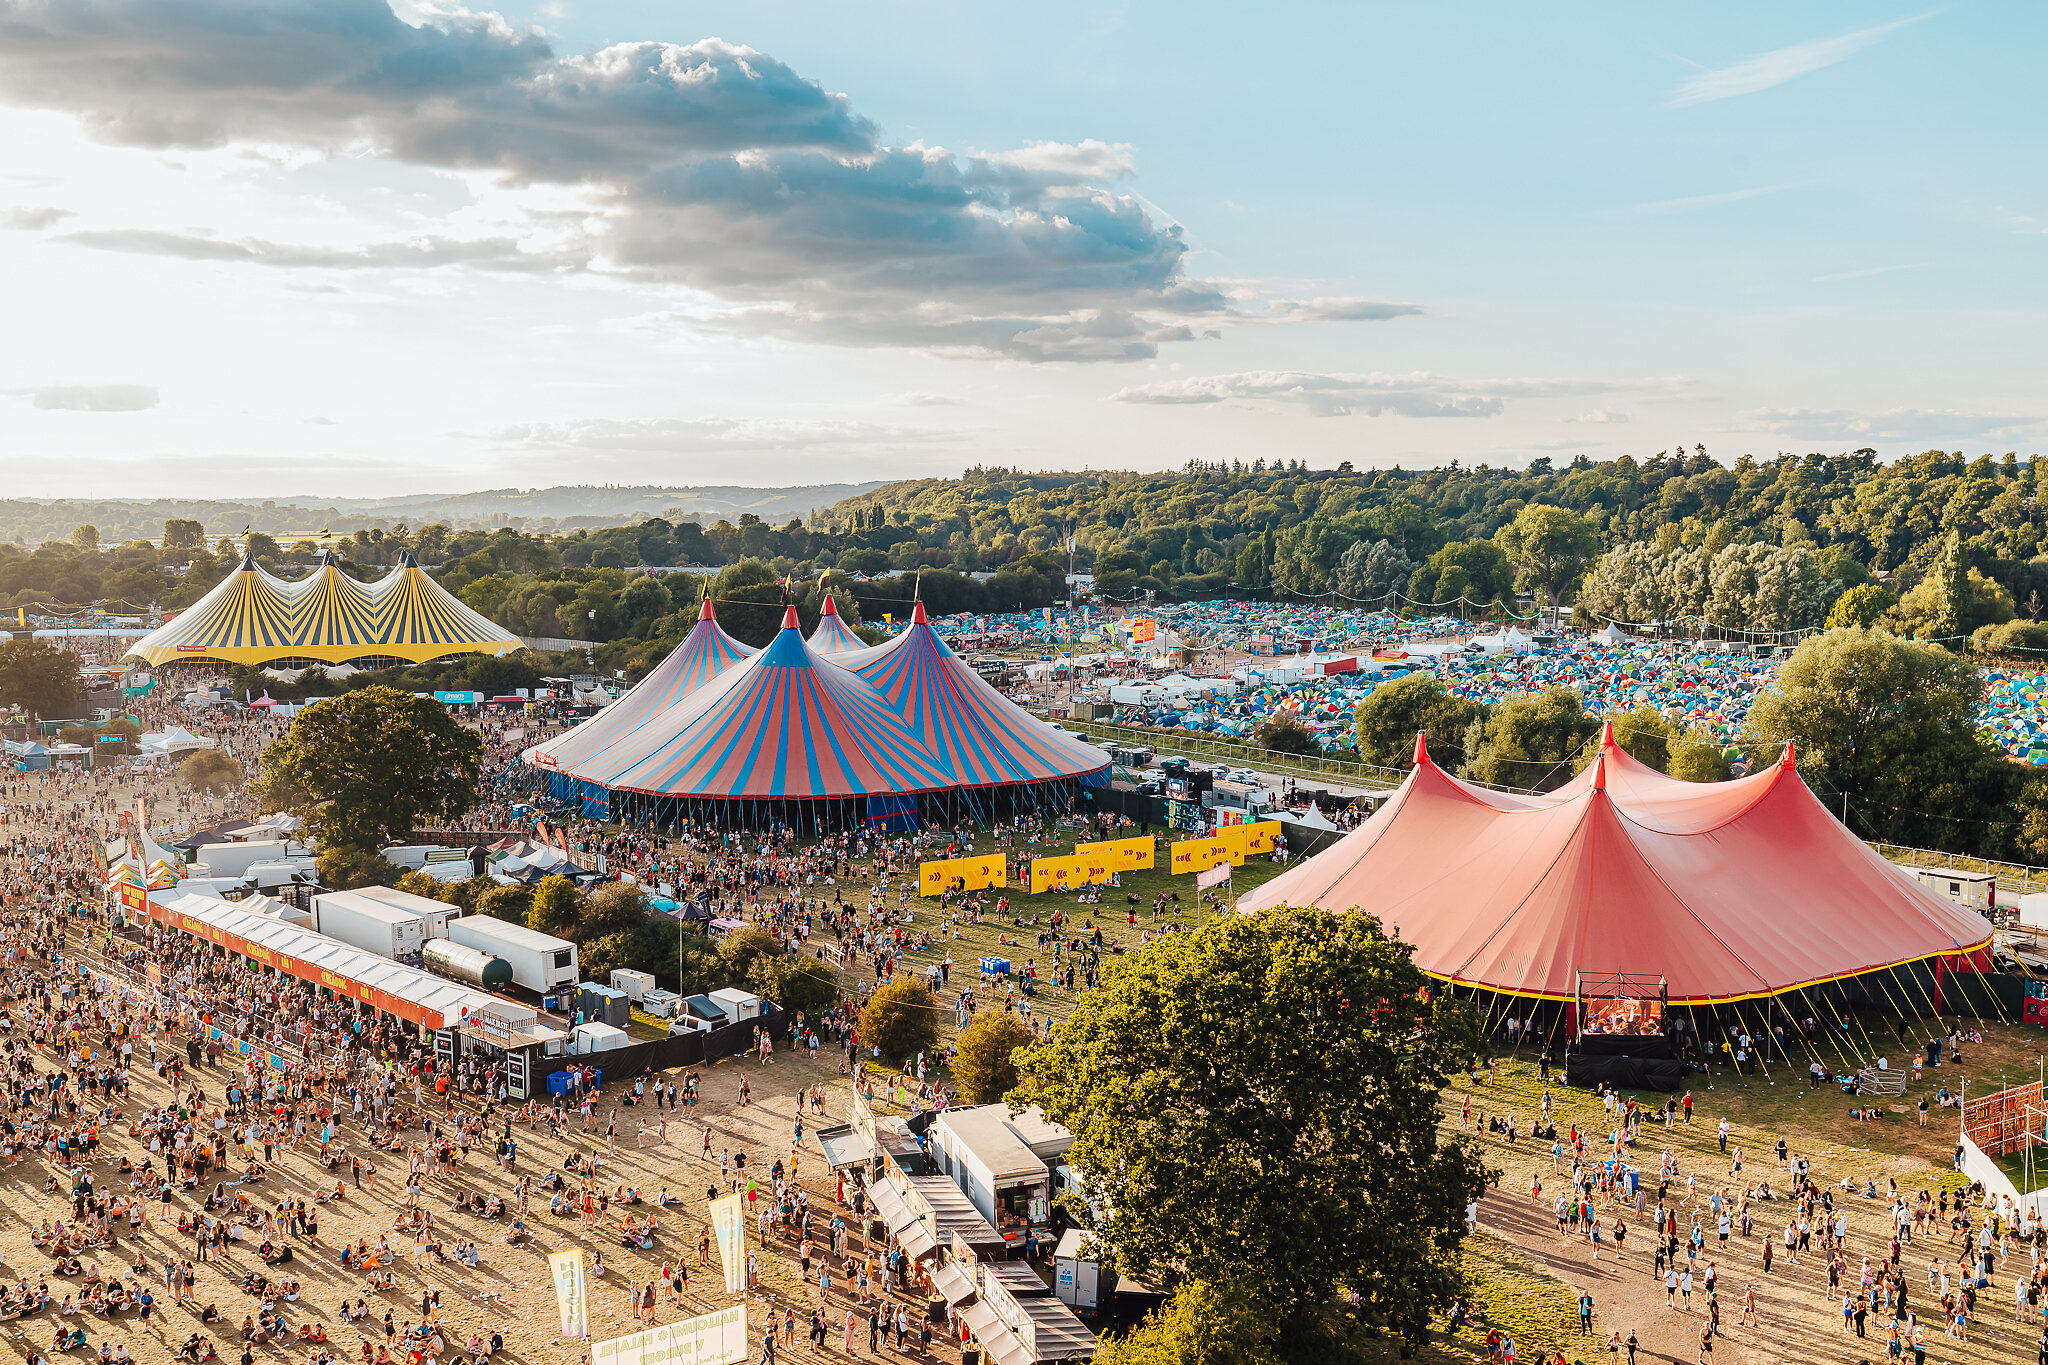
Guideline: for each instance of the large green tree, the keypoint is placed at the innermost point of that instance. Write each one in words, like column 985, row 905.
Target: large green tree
column 1551, row 548
column 369, row 766
column 1255, row 1103
column 1388, row 720
column 1530, row 741
column 1891, row 726
column 39, row 677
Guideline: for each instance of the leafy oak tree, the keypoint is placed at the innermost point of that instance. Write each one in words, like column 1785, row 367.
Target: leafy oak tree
column 1255, row 1104
column 1892, row 725
column 39, row 677
column 901, row 1018
column 1551, row 548
column 366, row 768
column 984, row 1062
column 1388, row 721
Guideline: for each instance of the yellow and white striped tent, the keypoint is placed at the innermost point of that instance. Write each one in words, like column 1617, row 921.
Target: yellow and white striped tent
column 253, row 617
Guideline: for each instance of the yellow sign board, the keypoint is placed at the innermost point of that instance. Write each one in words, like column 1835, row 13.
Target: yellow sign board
column 1125, row 855
column 1199, row 855
column 1262, row 837
column 949, row 874
column 1081, row 869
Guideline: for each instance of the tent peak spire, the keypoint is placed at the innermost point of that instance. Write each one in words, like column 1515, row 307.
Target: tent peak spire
column 789, row 617
column 1421, row 748
column 1607, row 734
column 830, row 608
column 917, row 616
column 1788, row 758
column 1599, row 783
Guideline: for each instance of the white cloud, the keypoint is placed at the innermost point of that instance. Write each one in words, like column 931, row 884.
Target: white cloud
column 1862, row 274
column 931, row 400
column 708, row 436
column 1769, row 69
column 1705, row 201
column 1942, row 428
column 707, row 165
column 1600, row 417
column 32, row 220
column 1341, row 310
column 90, row 397
column 1418, row 394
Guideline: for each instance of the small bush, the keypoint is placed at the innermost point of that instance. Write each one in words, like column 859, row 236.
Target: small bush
column 985, row 1065
column 901, row 1018
column 210, row 771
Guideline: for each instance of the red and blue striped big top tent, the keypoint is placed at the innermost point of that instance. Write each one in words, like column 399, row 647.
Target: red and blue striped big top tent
column 833, row 636
column 788, row 725
column 703, row 654
column 981, row 736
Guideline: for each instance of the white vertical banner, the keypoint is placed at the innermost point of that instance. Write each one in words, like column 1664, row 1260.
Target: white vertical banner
column 715, row 1339
column 729, row 1226
column 571, row 1293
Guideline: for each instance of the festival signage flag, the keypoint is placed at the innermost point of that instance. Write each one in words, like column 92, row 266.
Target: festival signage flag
column 935, row 878
column 571, row 1292
column 1218, row 875
column 1125, row 855
column 729, row 1226
column 714, row 1339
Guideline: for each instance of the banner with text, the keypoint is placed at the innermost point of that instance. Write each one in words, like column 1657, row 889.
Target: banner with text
column 572, row 1294
column 715, row 1339
column 729, row 1226
column 948, row 874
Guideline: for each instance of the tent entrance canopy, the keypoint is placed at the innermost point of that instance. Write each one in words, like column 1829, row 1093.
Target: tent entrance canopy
column 1728, row 890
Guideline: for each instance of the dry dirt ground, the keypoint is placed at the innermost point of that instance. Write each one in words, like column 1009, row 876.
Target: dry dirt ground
column 524, row 1311
column 1529, row 1279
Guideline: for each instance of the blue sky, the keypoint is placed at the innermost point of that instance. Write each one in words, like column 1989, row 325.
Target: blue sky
column 898, row 239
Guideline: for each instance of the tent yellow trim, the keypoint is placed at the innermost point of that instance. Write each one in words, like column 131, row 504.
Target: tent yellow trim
column 252, row 617
column 1964, row 951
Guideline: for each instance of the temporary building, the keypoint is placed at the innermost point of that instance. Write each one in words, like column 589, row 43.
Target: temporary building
column 1611, row 636
column 703, row 654
column 253, row 617
column 1725, row 891
column 980, row 737
column 432, row 1002
column 833, row 636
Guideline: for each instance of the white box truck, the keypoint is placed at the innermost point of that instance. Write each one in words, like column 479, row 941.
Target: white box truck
column 634, row 983
column 235, row 860
column 434, row 914
column 367, row 924
column 540, row 962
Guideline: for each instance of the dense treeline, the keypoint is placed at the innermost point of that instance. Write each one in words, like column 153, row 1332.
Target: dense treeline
column 1778, row 544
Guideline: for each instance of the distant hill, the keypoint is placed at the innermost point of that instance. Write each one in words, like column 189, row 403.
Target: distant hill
column 35, row 520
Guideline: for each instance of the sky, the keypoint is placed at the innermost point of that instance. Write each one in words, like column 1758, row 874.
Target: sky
column 276, row 247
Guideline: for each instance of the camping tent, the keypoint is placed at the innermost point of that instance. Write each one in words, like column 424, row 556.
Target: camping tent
column 1611, row 636
column 1727, row 890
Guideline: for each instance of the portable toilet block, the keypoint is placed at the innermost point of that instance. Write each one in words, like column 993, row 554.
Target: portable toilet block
column 603, row 1005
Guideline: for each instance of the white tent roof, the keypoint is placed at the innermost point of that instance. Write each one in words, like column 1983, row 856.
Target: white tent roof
column 1612, row 635
column 449, row 998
